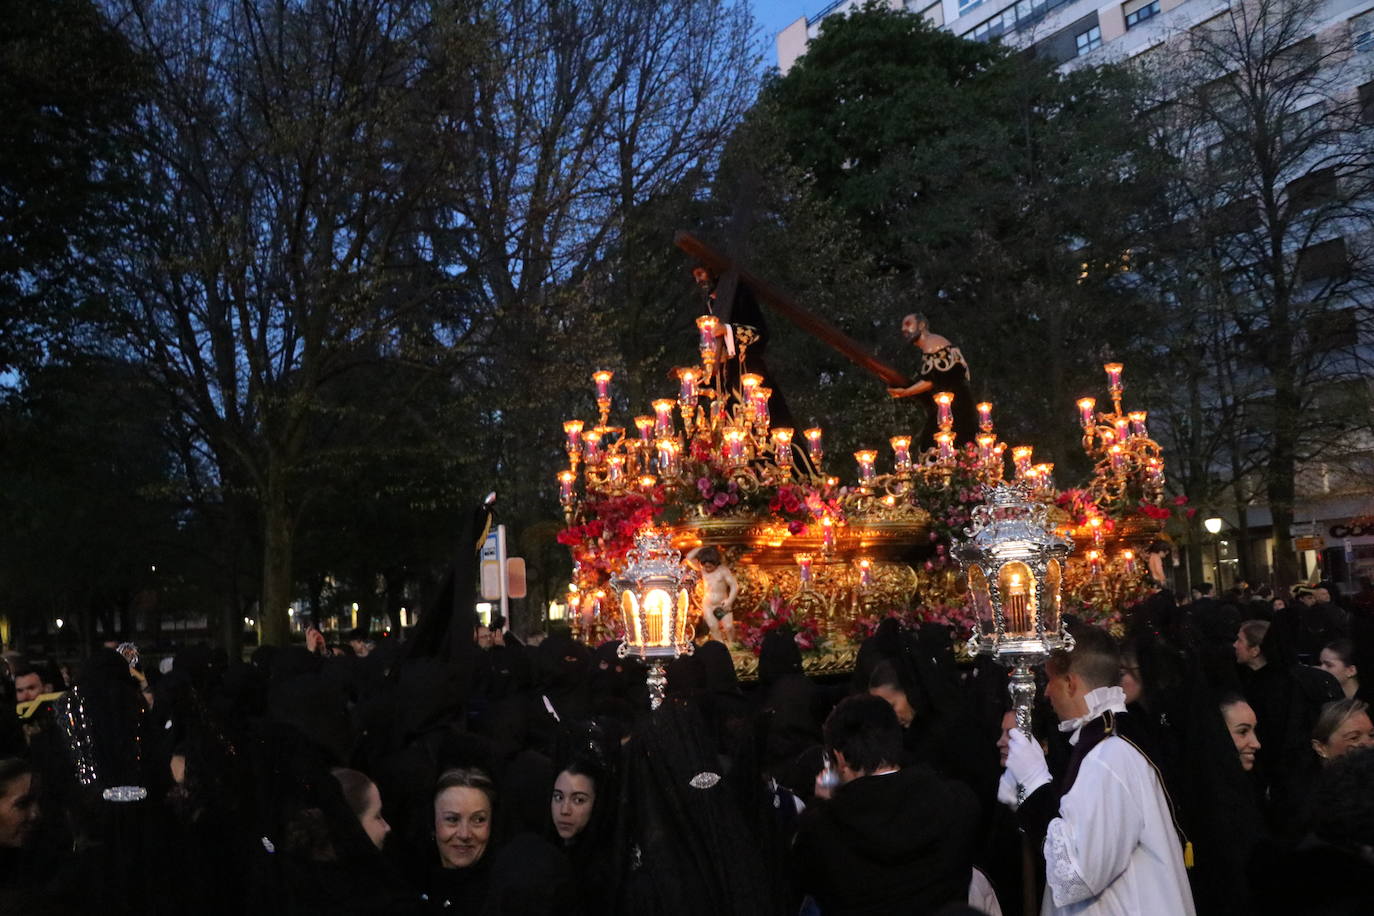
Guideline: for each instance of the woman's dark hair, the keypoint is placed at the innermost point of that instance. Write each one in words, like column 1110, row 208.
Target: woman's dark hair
column 1343, row 649
column 1228, row 698
column 865, row 729
column 584, row 767
column 354, row 786
column 885, row 675
column 778, row 656
column 467, row 778
column 11, row 768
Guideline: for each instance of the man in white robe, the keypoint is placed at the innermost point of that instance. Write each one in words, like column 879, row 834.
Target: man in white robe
column 1113, row 847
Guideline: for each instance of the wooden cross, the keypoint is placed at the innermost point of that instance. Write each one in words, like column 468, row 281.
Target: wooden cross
column 731, row 274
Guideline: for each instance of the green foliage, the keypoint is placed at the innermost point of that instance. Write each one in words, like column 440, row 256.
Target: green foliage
column 979, row 186
column 69, row 85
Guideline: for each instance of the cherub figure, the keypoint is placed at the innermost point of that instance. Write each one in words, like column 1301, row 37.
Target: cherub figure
column 721, row 589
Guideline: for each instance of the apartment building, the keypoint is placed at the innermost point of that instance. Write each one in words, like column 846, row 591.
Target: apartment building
column 1067, row 30
column 1334, row 524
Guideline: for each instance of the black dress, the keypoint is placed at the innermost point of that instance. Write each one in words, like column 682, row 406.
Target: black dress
column 946, row 370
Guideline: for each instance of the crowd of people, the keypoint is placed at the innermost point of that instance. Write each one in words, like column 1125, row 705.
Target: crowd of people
column 1213, row 759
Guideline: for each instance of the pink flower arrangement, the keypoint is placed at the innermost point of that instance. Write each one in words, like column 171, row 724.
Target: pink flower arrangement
column 777, row 614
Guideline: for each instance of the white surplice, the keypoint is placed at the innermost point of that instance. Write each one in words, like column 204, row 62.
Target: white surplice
column 1113, row 849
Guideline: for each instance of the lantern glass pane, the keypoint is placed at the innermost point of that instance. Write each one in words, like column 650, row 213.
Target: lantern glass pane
column 629, row 611
column 658, row 612
column 1017, row 588
column 680, row 622
column 981, row 599
column 1053, row 576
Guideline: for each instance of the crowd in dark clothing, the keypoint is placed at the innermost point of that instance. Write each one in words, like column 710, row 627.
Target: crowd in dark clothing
column 492, row 775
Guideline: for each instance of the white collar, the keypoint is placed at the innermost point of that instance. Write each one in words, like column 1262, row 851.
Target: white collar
column 1099, row 701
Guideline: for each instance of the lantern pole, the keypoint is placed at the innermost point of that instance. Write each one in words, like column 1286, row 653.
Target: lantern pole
column 657, row 682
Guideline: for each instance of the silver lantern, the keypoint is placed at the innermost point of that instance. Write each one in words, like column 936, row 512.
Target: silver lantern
column 653, row 593
column 1014, row 561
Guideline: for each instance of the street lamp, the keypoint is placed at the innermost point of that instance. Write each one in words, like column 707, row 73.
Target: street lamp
column 1214, row 526
column 653, row 605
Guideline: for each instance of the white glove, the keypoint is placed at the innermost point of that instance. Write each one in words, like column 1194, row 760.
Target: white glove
column 1006, row 790
column 1026, row 769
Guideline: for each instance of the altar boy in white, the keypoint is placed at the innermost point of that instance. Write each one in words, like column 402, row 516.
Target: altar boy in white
column 1111, row 842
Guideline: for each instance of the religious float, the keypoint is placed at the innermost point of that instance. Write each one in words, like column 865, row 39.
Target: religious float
column 824, row 556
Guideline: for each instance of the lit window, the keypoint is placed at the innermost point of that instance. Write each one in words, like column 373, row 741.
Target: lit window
column 1089, row 40
column 1137, row 11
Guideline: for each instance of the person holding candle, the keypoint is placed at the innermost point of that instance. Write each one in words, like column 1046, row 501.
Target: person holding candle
column 943, row 368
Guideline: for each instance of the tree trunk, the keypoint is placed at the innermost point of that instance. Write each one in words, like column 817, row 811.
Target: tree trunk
column 277, row 592
column 1196, row 551
column 1281, row 473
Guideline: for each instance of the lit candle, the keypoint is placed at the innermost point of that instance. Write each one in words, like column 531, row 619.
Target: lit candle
column 615, row 467
column 1138, row 423
column 687, row 387
column 761, row 396
column 782, row 446
column 706, row 338
column 657, row 609
column 865, row 457
column 1086, row 406
column 827, row 532
column 1094, row 563
column 1122, row 426
column 901, row 453
column 1021, row 459
column 1044, row 473
column 734, row 445
column 747, row 383
column 573, row 429
column 1118, row 457
column 667, row 457
column 985, row 443
column 803, row 567
column 1108, row 437
column 602, row 378
column 591, row 446
column 1095, row 526
column 1113, row 378
column 1018, row 607
column 565, row 486
column 1155, row 470
column 814, row 447
column 865, row 573
column 944, row 441
column 985, row 416
column 945, row 413
column 646, row 482
column 663, row 417
column 1128, row 562
column 645, row 425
